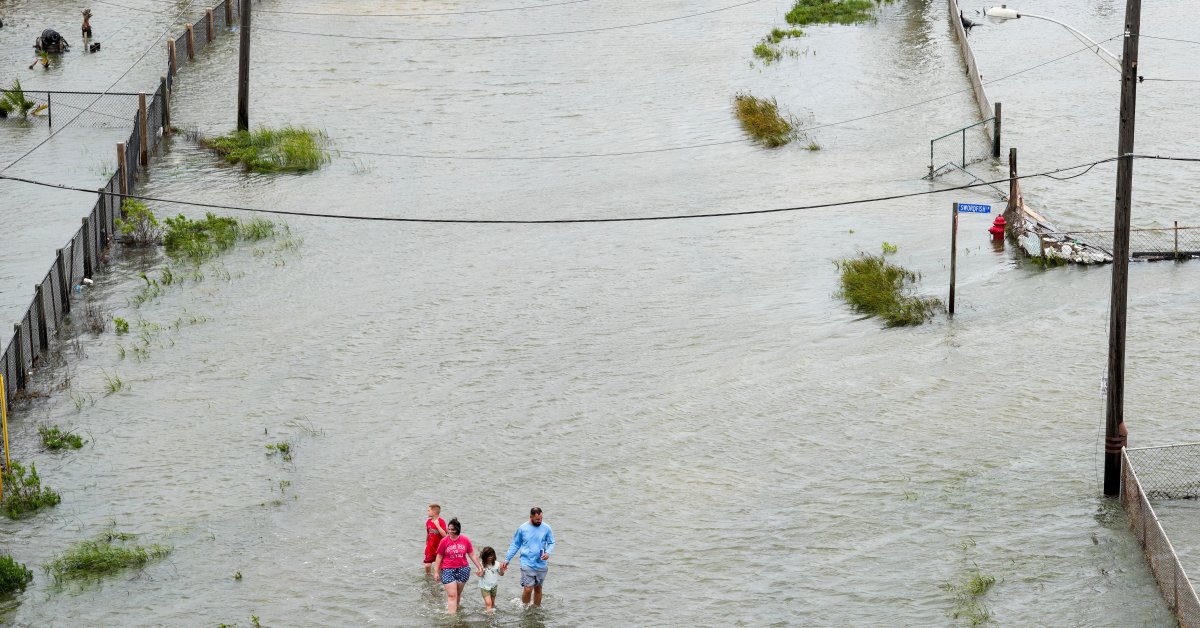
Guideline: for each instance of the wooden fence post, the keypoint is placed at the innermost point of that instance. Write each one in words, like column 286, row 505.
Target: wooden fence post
column 166, row 105
column 228, row 13
column 996, row 133
column 208, row 15
column 1176, row 239
column 104, row 200
column 43, row 333
column 191, row 43
column 122, row 178
column 172, row 66
column 20, row 357
column 87, row 247
column 144, row 149
column 64, row 289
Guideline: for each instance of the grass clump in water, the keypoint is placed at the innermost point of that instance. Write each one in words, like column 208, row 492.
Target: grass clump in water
column 967, row 604
column 289, row 149
column 769, row 53
column 832, row 11
column 24, row 493
column 55, row 438
column 105, row 554
column 760, row 117
column 198, row 240
column 873, row 286
column 13, row 575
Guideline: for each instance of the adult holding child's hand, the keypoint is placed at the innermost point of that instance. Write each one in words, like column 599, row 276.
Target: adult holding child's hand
column 534, row 541
column 451, row 567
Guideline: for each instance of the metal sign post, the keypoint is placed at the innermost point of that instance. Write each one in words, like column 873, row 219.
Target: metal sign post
column 966, row 208
column 953, row 253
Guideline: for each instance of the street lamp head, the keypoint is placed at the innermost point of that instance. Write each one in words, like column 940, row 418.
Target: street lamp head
column 1002, row 12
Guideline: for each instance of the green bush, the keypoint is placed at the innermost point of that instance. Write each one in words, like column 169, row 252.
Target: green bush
column 873, row 286
column 13, row 575
column 23, row 492
column 13, row 100
column 140, row 225
column 767, row 52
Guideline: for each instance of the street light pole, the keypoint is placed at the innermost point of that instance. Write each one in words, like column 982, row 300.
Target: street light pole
column 1114, row 411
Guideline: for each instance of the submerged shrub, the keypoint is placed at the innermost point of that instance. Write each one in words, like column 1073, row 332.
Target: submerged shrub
column 873, row 286
column 289, row 149
column 23, row 492
column 760, row 118
column 13, row 100
column 13, row 575
column 139, row 226
column 54, row 438
column 103, row 555
column 832, row 11
column 768, row 52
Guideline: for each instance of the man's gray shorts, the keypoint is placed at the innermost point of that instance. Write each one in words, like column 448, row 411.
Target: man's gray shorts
column 532, row 577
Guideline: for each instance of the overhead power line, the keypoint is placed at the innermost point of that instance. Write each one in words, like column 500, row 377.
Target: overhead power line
column 1182, row 41
column 469, row 221
column 627, row 153
column 520, row 36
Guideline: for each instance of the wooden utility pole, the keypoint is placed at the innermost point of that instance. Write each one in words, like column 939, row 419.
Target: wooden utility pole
column 996, row 133
column 1114, row 410
column 243, row 119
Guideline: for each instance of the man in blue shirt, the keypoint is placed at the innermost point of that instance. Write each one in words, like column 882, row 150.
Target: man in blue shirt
column 534, row 540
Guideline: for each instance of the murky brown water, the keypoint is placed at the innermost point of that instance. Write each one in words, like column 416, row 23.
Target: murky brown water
column 714, row 436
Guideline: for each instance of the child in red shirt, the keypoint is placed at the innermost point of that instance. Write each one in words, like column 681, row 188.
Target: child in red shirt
column 435, row 529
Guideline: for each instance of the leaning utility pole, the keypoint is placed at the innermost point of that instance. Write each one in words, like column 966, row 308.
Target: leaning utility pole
column 243, row 121
column 1114, row 410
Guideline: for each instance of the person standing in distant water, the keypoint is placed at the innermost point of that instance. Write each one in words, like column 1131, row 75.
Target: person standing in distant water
column 435, row 529
column 451, row 567
column 534, row 540
column 87, row 23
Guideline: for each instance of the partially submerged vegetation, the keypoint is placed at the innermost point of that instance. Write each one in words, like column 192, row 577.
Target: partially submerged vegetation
column 13, row 100
column 873, row 286
column 13, row 575
column 967, row 593
column 832, row 11
column 106, row 554
column 139, row 227
column 197, row 240
column 288, row 149
column 54, row 438
column 760, row 117
column 769, row 50
column 24, row 493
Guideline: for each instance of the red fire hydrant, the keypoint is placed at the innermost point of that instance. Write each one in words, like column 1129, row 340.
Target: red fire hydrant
column 997, row 228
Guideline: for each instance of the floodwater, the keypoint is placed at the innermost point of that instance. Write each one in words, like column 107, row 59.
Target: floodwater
column 714, row 436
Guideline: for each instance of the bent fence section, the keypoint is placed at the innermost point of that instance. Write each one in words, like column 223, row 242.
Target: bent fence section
column 1165, row 473
column 86, row 251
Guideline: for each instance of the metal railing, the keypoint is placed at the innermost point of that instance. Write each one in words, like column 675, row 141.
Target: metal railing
column 963, row 133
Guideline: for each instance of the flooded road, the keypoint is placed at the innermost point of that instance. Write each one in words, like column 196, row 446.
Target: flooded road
column 714, row 436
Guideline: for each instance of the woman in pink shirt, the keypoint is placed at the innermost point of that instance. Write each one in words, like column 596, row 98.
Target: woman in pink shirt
column 451, row 566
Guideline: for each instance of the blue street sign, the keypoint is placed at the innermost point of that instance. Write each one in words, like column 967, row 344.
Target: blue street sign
column 970, row 208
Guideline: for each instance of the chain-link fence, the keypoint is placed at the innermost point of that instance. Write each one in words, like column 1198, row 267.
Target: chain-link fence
column 1156, row 243
column 1162, row 473
column 50, row 310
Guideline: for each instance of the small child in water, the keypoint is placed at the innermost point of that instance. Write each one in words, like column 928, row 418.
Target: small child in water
column 489, row 577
